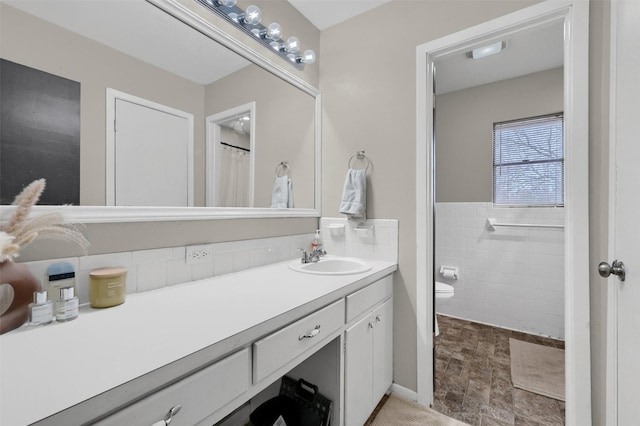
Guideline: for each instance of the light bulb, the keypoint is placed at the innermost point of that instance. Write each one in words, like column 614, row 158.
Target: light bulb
column 308, row 57
column 226, row 3
column 274, row 32
column 292, row 45
column 252, row 15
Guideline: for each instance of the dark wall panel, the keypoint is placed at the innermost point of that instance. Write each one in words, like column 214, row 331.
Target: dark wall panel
column 39, row 134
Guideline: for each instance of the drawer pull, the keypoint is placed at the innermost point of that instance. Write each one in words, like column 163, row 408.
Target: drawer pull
column 378, row 318
column 310, row 334
column 169, row 416
column 174, row 410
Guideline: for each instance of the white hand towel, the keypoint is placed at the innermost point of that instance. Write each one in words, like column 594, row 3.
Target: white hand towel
column 282, row 194
column 354, row 202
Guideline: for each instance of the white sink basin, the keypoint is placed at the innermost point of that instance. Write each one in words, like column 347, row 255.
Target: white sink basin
column 332, row 266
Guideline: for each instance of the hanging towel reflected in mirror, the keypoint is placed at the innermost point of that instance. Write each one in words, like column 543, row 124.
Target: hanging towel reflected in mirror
column 282, row 194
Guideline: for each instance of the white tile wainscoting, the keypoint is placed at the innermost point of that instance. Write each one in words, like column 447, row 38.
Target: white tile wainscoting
column 512, row 277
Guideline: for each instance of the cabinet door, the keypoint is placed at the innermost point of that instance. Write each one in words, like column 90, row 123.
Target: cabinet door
column 358, row 365
column 382, row 349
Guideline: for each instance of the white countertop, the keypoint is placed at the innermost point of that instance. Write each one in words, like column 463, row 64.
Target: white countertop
column 47, row 369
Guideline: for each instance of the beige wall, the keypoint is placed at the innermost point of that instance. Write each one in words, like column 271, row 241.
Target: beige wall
column 117, row 237
column 284, row 123
column 464, row 130
column 367, row 79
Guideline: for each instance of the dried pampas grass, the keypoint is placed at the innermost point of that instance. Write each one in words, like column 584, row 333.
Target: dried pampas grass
column 23, row 230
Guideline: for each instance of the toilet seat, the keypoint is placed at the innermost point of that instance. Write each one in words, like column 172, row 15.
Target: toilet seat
column 444, row 292
column 443, row 288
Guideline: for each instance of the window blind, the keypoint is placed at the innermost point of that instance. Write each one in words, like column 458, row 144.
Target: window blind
column 528, row 161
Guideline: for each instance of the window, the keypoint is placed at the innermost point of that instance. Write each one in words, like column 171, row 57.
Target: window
column 528, row 161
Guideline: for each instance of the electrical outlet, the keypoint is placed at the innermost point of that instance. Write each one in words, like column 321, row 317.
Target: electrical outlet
column 199, row 254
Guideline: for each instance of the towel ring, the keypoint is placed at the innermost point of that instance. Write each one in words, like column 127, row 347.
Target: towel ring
column 283, row 167
column 360, row 156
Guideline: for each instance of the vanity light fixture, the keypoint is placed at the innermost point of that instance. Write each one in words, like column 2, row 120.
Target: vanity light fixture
column 292, row 45
column 488, row 50
column 252, row 16
column 248, row 21
column 273, row 32
column 226, row 3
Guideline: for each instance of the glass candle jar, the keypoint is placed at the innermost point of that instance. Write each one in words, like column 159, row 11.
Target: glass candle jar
column 107, row 287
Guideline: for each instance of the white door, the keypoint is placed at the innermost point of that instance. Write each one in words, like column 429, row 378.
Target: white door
column 624, row 343
column 151, row 156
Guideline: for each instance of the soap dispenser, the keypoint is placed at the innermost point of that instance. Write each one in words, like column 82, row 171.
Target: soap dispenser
column 316, row 242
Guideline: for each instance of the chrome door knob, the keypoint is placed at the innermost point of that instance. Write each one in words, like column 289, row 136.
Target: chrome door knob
column 616, row 268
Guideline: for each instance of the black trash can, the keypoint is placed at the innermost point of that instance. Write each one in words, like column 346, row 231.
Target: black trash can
column 299, row 404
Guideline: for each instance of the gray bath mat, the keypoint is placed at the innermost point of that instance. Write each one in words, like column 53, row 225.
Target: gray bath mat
column 537, row 368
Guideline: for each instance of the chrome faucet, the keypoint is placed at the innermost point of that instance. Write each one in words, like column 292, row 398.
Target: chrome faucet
column 305, row 256
column 317, row 252
column 313, row 256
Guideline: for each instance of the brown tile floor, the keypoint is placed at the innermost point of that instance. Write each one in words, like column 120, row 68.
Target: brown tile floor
column 473, row 377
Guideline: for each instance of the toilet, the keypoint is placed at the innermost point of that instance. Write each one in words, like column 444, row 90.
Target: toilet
column 444, row 292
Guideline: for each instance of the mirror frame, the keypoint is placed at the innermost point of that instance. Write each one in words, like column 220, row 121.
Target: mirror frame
column 112, row 214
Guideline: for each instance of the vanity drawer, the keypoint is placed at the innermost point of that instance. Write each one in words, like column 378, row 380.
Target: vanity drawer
column 277, row 349
column 361, row 300
column 199, row 394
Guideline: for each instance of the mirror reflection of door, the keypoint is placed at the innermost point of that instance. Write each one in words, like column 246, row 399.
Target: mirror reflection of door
column 230, row 157
column 149, row 154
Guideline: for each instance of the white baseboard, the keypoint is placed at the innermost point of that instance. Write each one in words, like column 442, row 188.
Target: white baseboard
column 404, row 392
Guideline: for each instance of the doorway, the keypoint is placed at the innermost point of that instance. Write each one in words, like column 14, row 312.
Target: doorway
column 574, row 19
column 230, row 161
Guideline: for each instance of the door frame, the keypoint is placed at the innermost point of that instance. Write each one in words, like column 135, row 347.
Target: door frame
column 611, row 374
column 575, row 15
column 213, row 137
column 612, row 396
column 110, row 171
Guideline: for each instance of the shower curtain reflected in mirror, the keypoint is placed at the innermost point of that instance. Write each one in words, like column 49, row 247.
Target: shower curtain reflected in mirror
column 234, row 178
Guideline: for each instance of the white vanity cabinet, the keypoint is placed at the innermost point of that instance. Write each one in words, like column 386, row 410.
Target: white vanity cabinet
column 335, row 332
column 197, row 396
column 368, row 350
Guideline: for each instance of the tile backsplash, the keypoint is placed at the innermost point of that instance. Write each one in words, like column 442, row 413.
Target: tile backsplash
column 512, row 277
column 371, row 239
column 153, row 269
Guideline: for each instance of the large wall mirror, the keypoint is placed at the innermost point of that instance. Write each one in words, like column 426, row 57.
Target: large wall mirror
column 157, row 65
